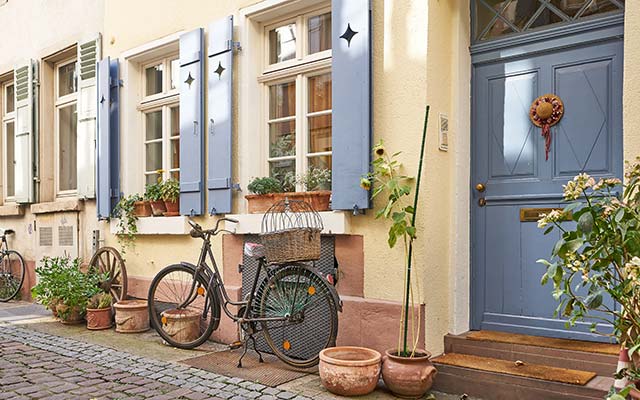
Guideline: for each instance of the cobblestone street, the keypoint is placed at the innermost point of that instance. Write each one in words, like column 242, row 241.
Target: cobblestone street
column 40, row 359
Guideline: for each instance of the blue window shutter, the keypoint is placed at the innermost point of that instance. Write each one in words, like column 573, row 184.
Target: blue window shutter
column 351, row 102
column 219, row 113
column 108, row 137
column 26, row 132
column 191, row 136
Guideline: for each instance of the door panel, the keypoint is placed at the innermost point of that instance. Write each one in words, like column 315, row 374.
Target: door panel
column 509, row 158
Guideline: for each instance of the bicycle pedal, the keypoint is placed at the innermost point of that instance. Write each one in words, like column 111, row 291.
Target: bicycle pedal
column 235, row 345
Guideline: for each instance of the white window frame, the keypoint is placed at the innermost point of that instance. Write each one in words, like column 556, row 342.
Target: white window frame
column 7, row 118
column 164, row 101
column 298, row 70
column 59, row 103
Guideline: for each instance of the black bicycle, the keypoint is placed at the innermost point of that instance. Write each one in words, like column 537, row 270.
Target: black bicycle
column 294, row 307
column 12, row 268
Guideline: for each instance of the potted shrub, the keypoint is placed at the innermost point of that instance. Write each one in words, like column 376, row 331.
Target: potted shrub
column 406, row 369
column 48, row 290
column 598, row 257
column 266, row 191
column 153, row 193
column 127, row 227
column 99, row 311
column 170, row 192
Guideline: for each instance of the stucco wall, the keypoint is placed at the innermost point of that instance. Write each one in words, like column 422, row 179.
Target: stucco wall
column 631, row 100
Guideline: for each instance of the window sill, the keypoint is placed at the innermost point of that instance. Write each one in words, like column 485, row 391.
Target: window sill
column 157, row 225
column 62, row 205
column 334, row 222
column 11, row 210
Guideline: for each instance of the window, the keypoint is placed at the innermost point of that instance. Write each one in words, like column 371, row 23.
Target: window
column 161, row 119
column 8, row 129
column 297, row 87
column 66, row 121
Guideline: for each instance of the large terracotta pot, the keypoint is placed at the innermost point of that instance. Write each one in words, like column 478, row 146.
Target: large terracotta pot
column 260, row 203
column 408, row 377
column 132, row 316
column 99, row 318
column 157, row 208
column 69, row 315
column 182, row 325
column 349, row 371
column 141, row 209
column 173, row 208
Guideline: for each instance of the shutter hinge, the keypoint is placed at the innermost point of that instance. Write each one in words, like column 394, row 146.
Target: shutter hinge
column 356, row 210
column 236, row 186
column 36, row 81
column 234, row 46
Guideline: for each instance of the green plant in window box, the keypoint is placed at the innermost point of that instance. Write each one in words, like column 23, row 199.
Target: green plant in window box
column 153, row 193
column 264, row 185
column 127, row 228
column 315, row 179
column 171, row 196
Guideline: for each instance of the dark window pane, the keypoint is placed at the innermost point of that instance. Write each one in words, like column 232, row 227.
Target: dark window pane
column 282, row 139
column 282, row 100
column 67, row 150
column 67, row 81
column 282, row 43
column 10, row 99
column 319, row 33
column 10, row 126
column 153, row 80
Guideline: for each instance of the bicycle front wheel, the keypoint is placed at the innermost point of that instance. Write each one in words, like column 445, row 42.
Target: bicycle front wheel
column 188, row 326
column 303, row 298
column 12, row 270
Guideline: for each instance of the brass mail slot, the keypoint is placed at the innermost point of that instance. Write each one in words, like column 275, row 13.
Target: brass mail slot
column 534, row 214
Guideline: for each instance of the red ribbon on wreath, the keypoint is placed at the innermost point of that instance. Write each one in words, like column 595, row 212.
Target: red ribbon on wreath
column 545, row 112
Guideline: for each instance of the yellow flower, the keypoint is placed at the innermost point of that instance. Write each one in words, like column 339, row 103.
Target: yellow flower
column 365, row 183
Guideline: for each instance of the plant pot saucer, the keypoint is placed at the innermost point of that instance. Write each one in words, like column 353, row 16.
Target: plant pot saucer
column 171, row 213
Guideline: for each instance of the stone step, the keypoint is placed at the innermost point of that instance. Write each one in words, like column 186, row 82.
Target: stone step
column 565, row 353
column 483, row 383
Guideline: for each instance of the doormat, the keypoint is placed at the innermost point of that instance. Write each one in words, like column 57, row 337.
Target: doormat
column 272, row 372
column 538, row 341
column 526, row 370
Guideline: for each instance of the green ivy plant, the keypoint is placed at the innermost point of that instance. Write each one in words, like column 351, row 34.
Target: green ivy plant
column 170, row 190
column 264, row 185
column 599, row 256
column 127, row 221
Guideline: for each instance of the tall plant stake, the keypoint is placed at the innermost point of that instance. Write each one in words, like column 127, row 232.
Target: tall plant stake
column 413, row 225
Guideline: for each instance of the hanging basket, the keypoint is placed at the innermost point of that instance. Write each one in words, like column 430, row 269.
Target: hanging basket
column 291, row 231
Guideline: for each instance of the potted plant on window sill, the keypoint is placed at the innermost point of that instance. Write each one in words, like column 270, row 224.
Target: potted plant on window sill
column 170, row 192
column 153, row 193
column 266, row 191
column 406, row 369
column 141, row 207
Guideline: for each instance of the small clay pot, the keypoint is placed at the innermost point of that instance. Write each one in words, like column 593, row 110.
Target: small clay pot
column 182, row 325
column 68, row 316
column 408, row 377
column 349, row 370
column 132, row 316
column 158, row 208
column 173, row 208
column 142, row 209
column 99, row 318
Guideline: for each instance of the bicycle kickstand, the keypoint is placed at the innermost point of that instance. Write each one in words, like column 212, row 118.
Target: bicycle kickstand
column 255, row 347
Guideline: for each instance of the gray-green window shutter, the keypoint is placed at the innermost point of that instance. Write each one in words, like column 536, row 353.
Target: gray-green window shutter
column 88, row 56
column 191, row 135
column 26, row 133
column 351, row 102
column 108, row 138
column 220, row 80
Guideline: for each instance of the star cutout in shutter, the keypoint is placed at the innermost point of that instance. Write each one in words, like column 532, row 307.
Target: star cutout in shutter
column 348, row 34
column 219, row 70
column 189, row 80
column 101, row 99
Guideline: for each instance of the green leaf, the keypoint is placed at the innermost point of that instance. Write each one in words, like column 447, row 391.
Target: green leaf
column 549, row 229
column 570, row 247
column 409, row 209
column 619, row 215
column 585, row 222
column 634, row 349
column 593, row 301
column 616, row 397
column 411, row 231
column 543, row 261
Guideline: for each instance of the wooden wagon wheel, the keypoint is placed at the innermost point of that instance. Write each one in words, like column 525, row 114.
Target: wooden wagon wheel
column 108, row 260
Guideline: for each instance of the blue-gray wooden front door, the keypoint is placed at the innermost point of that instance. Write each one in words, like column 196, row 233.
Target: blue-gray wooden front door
column 508, row 157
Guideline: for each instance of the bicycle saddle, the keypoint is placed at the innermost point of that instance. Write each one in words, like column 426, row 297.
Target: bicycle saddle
column 254, row 250
column 4, row 232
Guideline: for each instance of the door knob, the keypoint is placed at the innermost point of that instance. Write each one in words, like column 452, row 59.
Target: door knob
column 480, row 187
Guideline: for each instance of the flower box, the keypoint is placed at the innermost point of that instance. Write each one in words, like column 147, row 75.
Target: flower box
column 260, row 203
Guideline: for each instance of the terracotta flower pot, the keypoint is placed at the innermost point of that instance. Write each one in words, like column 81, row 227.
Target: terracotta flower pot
column 349, row 371
column 99, row 318
column 181, row 325
column 260, row 203
column 173, row 208
column 132, row 316
column 408, row 377
column 141, row 209
column 69, row 315
column 157, row 208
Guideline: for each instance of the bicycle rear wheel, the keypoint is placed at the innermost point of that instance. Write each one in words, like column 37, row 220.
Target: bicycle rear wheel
column 303, row 297
column 12, row 270
column 191, row 325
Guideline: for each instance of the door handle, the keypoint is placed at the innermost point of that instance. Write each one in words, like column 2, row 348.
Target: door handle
column 480, row 187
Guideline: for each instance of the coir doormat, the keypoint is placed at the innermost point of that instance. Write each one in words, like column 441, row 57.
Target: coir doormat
column 272, row 372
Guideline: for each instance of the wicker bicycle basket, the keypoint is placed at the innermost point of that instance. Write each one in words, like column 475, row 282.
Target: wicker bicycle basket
column 291, row 232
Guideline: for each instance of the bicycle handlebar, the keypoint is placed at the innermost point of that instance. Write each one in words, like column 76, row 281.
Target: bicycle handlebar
column 199, row 231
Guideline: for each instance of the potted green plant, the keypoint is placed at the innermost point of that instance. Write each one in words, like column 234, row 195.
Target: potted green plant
column 170, row 192
column 406, row 369
column 265, row 191
column 48, row 290
column 598, row 256
column 153, row 193
column 99, row 313
column 127, row 226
